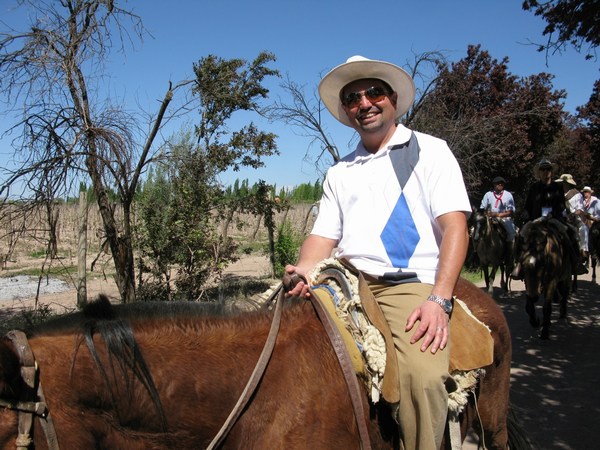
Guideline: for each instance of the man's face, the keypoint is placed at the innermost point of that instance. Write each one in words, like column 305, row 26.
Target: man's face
column 545, row 173
column 369, row 105
column 499, row 187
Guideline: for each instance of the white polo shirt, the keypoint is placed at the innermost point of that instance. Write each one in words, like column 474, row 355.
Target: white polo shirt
column 381, row 208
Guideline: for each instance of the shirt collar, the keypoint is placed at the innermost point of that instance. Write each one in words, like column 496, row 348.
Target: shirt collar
column 401, row 136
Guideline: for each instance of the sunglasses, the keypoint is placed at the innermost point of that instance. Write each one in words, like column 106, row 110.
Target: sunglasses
column 374, row 94
column 545, row 169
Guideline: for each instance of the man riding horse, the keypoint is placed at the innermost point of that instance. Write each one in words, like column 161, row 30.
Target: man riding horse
column 546, row 199
column 500, row 204
column 574, row 202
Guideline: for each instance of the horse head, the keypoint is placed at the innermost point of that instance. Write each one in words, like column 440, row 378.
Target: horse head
column 480, row 223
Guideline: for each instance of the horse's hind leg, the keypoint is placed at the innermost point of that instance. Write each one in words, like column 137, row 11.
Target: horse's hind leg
column 563, row 289
column 547, row 316
column 489, row 282
column 530, row 309
column 503, row 278
column 490, row 278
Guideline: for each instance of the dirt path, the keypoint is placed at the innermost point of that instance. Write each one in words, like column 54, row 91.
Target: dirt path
column 555, row 383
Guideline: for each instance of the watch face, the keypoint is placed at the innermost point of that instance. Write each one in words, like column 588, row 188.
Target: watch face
column 448, row 306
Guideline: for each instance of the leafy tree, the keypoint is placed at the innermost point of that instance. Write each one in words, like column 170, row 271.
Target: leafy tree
column 495, row 123
column 183, row 231
column 588, row 135
column 569, row 22
column 306, row 192
column 153, row 238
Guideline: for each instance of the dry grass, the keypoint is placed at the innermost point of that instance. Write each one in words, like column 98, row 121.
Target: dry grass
column 24, row 239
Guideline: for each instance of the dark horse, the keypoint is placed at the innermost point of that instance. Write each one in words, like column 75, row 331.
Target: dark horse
column 489, row 242
column 594, row 246
column 547, row 270
column 164, row 375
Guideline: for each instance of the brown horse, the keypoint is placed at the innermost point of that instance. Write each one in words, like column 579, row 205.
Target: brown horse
column 546, row 266
column 489, row 242
column 164, row 375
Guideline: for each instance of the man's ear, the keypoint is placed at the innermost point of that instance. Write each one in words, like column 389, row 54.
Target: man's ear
column 394, row 99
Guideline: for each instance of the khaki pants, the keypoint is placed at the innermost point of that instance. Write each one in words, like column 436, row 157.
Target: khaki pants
column 423, row 397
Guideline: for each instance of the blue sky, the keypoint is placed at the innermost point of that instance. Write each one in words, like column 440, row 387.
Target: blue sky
column 309, row 37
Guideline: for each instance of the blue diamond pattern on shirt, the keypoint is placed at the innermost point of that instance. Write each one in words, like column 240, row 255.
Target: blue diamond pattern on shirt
column 400, row 236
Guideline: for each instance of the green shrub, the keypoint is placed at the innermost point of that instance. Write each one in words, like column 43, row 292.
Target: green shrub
column 287, row 246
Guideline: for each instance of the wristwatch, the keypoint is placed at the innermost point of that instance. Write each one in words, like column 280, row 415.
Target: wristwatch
column 445, row 303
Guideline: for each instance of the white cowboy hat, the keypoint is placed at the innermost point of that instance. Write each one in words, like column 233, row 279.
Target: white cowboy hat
column 567, row 178
column 358, row 68
column 587, row 189
column 544, row 163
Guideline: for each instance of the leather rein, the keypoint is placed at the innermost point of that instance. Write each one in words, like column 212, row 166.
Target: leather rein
column 339, row 347
column 27, row 407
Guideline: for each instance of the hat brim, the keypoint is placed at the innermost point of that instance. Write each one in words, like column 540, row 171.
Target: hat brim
column 332, row 83
column 571, row 182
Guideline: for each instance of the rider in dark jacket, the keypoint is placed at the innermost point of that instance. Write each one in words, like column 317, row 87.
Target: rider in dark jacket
column 547, row 199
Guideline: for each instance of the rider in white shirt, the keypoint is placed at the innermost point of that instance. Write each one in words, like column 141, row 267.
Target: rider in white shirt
column 500, row 203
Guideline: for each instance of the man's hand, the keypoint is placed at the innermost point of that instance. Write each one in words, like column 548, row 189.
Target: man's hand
column 294, row 282
column 433, row 326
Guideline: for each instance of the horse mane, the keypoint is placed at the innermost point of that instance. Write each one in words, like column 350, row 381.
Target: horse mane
column 113, row 323
column 102, row 309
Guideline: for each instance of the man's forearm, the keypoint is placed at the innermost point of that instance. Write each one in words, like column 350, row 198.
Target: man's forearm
column 314, row 249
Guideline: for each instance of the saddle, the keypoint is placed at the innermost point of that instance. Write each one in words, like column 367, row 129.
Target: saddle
column 472, row 343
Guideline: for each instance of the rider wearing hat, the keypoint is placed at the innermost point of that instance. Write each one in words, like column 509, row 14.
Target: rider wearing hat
column 396, row 209
column 591, row 206
column 574, row 202
column 499, row 203
column 546, row 199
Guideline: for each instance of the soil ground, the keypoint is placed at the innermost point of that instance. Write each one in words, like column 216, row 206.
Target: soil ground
column 554, row 382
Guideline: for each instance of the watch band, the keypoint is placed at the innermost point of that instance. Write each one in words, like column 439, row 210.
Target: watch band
column 438, row 299
column 445, row 303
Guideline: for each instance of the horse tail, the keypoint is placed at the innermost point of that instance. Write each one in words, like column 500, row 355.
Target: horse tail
column 517, row 437
column 122, row 349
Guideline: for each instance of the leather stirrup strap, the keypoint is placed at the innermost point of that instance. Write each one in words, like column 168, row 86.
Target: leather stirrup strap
column 354, row 389
column 256, row 375
column 390, row 387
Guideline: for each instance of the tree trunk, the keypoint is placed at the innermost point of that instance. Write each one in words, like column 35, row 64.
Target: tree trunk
column 120, row 247
column 82, row 251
